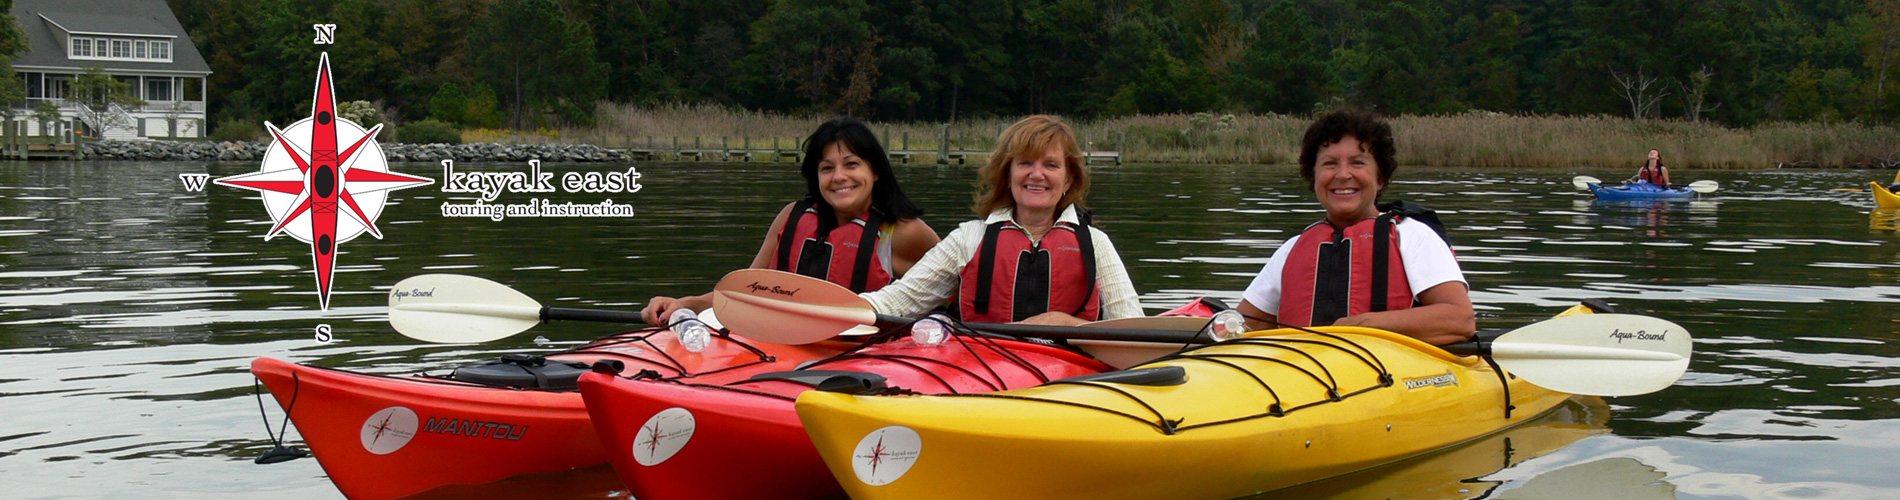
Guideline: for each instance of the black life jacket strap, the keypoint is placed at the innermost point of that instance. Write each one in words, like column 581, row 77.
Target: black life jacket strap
column 788, row 235
column 1381, row 260
column 986, row 265
column 867, row 251
column 1085, row 240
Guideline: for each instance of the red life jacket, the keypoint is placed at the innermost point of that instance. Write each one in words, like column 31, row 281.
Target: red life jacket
column 846, row 255
column 1651, row 175
column 1030, row 278
column 1333, row 273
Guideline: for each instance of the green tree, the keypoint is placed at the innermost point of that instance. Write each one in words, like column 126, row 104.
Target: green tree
column 632, row 38
column 12, row 43
column 449, row 105
column 545, row 62
column 1284, row 69
column 1487, row 60
column 818, row 49
column 483, row 110
column 1801, row 98
column 1880, row 47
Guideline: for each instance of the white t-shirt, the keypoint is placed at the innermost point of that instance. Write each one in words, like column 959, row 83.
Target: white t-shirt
column 1428, row 263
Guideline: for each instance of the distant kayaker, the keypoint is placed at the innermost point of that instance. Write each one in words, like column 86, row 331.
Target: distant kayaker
column 1035, row 257
column 1653, row 171
column 1326, row 274
column 854, row 227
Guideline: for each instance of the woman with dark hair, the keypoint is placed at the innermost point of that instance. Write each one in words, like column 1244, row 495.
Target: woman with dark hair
column 1653, row 171
column 1358, row 266
column 1034, row 257
column 854, row 227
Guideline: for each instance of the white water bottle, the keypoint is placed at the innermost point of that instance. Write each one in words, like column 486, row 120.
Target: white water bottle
column 1227, row 324
column 930, row 331
column 693, row 334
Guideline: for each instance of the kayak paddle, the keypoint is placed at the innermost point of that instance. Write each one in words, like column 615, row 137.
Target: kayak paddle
column 1593, row 354
column 1702, row 186
column 457, row 309
column 788, row 308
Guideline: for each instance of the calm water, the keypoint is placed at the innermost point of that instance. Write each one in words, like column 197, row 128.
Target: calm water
column 131, row 308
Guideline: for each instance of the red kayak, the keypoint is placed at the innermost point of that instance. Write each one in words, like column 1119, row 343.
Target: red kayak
column 679, row 439
column 383, row 437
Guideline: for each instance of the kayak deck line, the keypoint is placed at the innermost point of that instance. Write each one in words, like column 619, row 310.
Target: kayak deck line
column 992, row 382
column 1280, row 408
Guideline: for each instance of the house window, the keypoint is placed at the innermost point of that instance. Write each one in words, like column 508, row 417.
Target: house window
column 35, row 89
column 138, row 49
column 132, row 86
column 158, row 89
column 122, row 49
column 82, row 47
column 162, row 50
column 57, row 86
column 99, row 48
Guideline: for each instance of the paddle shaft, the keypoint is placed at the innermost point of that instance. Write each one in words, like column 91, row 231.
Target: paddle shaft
column 1067, row 332
column 595, row 315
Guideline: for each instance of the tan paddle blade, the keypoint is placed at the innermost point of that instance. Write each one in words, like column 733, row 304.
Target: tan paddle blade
column 786, row 308
column 1127, row 354
column 1584, row 181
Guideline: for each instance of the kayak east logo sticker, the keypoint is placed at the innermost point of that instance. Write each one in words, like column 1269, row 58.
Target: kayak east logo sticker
column 663, row 436
column 318, row 194
column 886, row 454
column 389, row 429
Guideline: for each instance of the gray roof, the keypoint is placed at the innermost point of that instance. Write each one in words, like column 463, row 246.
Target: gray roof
column 130, row 17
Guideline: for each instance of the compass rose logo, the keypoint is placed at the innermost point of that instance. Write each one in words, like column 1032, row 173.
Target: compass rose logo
column 886, row 454
column 317, row 194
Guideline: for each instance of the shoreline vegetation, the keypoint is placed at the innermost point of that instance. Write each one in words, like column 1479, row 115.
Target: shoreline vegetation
column 1478, row 139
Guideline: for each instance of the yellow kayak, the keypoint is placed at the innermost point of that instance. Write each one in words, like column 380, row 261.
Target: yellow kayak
column 1884, row 198
column 1268, row 411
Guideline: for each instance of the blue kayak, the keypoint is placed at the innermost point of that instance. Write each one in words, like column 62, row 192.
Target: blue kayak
column 1640, row 191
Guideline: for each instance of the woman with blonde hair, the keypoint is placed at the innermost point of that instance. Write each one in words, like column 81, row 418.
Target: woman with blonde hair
column 1034, row 257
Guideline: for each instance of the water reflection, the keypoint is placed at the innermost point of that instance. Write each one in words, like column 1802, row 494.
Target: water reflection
column 1461, row 472
column 129, row 309
column 1885, row 219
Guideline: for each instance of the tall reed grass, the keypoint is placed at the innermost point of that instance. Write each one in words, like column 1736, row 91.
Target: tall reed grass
column 1470, row 139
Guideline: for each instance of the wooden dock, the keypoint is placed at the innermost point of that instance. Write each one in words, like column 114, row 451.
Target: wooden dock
column 15, row 145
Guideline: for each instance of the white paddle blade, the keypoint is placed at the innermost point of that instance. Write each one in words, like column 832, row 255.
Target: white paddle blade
column 456, row 309
column 1584, row 181
column 786, row 308
column 1704, row 187
column 1597, row 354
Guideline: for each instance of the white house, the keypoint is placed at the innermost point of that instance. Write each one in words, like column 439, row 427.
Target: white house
column 138, row 42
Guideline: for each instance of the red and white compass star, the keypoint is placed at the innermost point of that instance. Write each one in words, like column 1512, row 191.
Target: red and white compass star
column 303, row 181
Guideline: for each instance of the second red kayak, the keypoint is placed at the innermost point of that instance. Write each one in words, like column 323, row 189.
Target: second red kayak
column 676, row 439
